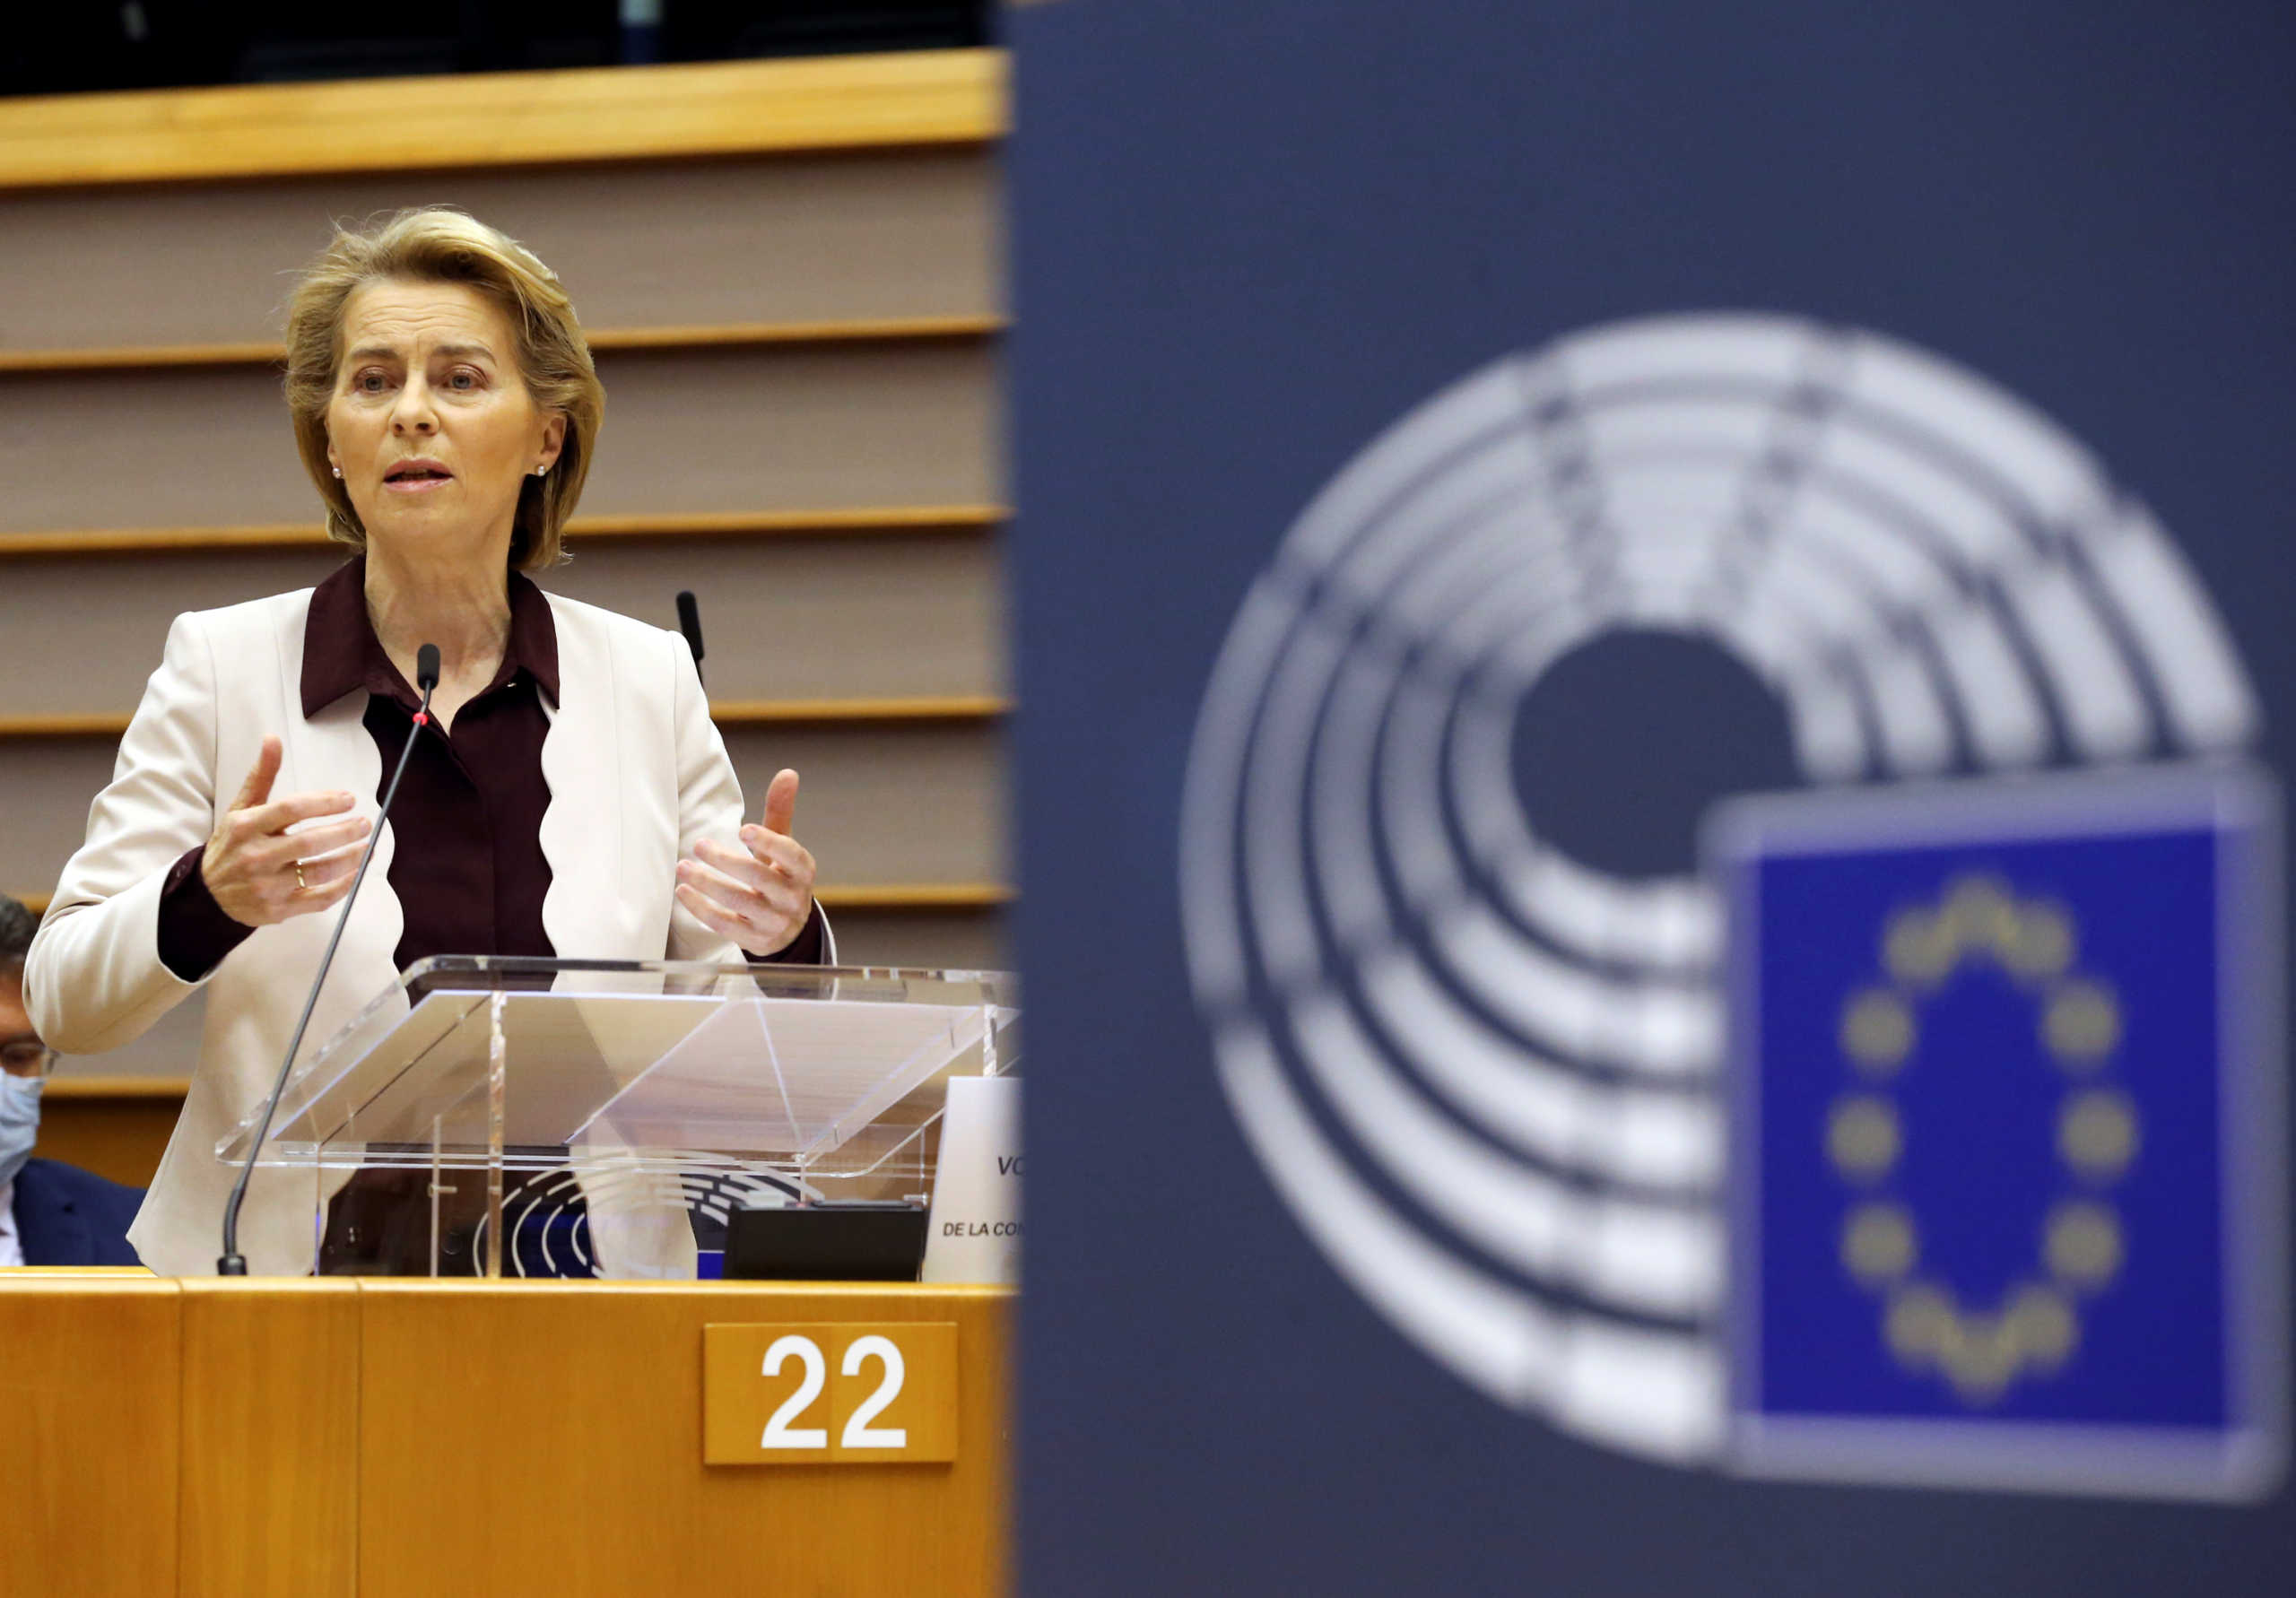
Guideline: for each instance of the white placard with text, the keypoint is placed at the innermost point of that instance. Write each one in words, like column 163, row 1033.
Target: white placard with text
column 975, row 1224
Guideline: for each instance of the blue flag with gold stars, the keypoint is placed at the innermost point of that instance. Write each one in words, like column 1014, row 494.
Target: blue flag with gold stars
column 2004, row 1108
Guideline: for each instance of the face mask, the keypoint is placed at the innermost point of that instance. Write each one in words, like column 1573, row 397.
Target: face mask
column 19, row 1122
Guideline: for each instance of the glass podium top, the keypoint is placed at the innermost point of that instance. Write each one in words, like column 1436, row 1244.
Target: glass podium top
column 818, row 1072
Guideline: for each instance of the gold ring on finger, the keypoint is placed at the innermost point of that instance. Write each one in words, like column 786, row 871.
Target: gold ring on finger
column 301, row 885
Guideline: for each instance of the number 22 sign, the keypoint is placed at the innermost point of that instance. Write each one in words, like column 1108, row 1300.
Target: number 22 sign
column 882, row 1394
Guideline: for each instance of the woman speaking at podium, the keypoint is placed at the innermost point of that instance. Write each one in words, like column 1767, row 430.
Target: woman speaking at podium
column 572, row 796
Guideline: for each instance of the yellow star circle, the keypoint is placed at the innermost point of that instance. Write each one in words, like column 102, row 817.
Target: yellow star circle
column 2036, row 1327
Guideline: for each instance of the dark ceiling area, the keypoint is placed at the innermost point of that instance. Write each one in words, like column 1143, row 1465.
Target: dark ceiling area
column 154, row 44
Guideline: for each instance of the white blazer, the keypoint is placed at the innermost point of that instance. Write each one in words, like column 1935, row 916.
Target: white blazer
column 636, row 774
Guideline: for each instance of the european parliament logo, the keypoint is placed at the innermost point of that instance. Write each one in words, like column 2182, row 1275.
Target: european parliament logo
column 1929, row 1131
column 2002, row 1130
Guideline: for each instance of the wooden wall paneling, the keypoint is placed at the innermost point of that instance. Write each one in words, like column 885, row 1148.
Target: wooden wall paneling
column 90, row 1410
column 504, row 120
column 603, row 340
column 816, row 618
column 833, row 617
column 757, row 428
column 928, row 709
column 45, row 790
column 710, row 456
column 102, row 1115
column 109, row 615
column 948, row 940
column 131, row 449
column 785, row 239
column 786, row 522
column 547, row 1438
column 708, row 430
column 888, row 801
column 271, row 1424
column 889, row 804
column 916, row 807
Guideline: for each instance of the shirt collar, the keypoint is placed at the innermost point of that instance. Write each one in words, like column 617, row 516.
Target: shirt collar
column 341, row 651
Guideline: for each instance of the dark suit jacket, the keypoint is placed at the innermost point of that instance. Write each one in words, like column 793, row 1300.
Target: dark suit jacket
column 66, row 1216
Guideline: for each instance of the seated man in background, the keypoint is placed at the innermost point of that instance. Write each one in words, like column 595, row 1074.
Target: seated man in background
column 50, row 1214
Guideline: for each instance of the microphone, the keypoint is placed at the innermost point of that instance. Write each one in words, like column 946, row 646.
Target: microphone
column 690, row 624
column 426, row 680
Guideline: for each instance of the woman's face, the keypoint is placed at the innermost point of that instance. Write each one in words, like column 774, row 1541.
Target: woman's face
column 431, row 425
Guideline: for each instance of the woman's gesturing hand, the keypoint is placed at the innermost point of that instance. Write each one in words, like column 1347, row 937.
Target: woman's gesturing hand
column 262, row 873
column 762, row 894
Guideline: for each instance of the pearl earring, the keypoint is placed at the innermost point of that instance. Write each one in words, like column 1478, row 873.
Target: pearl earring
column 338, row 471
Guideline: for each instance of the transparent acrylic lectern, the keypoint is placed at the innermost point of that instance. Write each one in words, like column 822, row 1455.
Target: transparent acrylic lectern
column 606, row 1116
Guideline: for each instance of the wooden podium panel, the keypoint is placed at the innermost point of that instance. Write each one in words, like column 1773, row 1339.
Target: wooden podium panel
column 90, row 1371
column 374, row 1438
column 270, row 1487
column 548, row 1440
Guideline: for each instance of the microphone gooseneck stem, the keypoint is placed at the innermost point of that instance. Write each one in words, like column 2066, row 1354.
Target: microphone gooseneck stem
column 233, row 1263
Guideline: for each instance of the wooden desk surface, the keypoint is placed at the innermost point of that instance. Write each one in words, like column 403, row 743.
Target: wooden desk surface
column 374, row 1437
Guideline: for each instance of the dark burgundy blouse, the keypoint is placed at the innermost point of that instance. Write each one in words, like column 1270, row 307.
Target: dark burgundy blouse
column 469, row 870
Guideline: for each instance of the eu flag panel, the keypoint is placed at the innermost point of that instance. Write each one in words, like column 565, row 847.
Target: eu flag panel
column 2003, row 1082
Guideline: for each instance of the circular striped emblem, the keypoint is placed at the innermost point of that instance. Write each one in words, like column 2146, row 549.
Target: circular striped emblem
column 1480, row 1070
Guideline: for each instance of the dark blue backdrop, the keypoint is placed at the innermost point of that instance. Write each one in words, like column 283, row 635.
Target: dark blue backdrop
column 1249, row 237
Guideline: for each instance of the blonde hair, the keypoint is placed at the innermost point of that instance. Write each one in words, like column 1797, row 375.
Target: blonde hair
column 439, row 245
